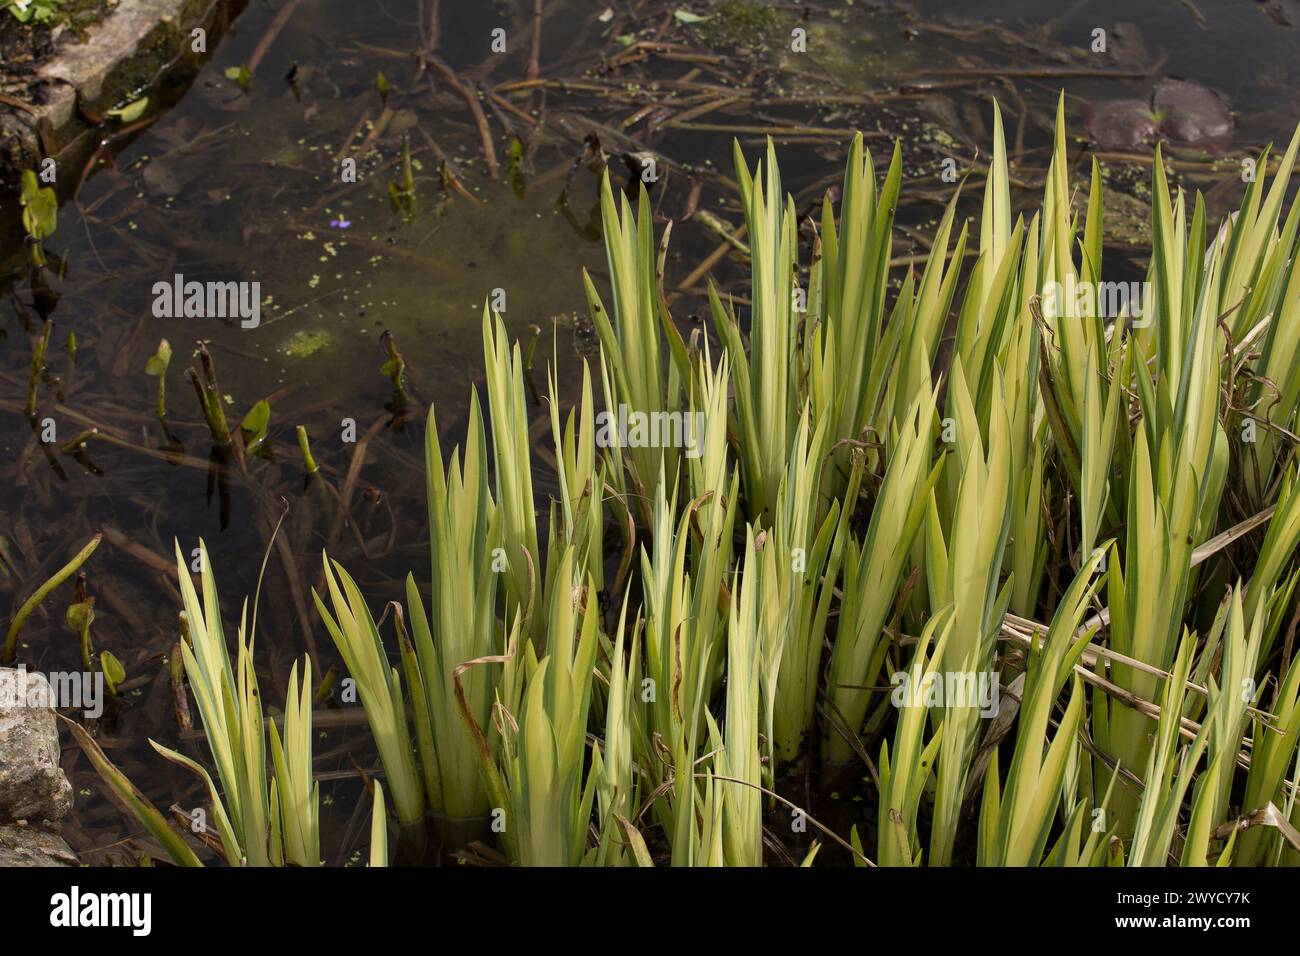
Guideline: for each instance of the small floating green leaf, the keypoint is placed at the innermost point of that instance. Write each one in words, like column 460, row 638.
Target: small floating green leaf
column 255, row 424
column 114, row 672
column 241, row 75
column 131, row 111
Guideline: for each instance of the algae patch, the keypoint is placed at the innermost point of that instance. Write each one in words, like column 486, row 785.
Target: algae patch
column 303, row 344
column 739, row 23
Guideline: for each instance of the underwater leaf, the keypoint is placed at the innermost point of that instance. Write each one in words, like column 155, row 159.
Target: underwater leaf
column 40, row 207
column 254, row 426
column 114, row 672
column 158, row 362
column 241, row 75
column 81, row 615
column 255, row 423
column 131, row 111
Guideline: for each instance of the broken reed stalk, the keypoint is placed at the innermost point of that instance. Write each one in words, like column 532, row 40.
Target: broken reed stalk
column 203, row 403
column 70, row 346
column 75, row 445
column 716, row 225
column 38, row 368
column 308, row 462
column 210, row 397
column 180, row 700
column 30, row 605
column 162, row 399
column 326, row 686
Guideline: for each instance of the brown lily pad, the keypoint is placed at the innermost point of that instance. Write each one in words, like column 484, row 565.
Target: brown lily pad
column 1191, row 113
column 1119, row 124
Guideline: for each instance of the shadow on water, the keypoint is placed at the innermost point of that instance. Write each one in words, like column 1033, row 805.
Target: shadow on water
column 250, row 182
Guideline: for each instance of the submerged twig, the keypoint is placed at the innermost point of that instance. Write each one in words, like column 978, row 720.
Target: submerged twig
column 475, row 107
column 38, row 367
column 272, row 32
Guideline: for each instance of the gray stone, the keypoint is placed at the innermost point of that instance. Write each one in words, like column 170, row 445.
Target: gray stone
column 25, row 846
column 123, row 57
column 116, row 39
column 32, row 785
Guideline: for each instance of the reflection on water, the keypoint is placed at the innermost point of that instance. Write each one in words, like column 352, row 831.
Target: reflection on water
column 255, row 185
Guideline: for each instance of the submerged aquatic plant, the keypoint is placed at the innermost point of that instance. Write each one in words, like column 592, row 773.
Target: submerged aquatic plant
column 40, row 213
column 157, row 367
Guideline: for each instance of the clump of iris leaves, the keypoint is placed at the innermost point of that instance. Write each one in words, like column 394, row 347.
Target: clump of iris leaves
column 1101, row 511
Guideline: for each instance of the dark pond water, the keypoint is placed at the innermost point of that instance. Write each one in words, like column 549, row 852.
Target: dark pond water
column 244, row 185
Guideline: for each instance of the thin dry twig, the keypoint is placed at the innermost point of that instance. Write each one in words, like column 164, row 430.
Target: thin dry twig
column 475, row 107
